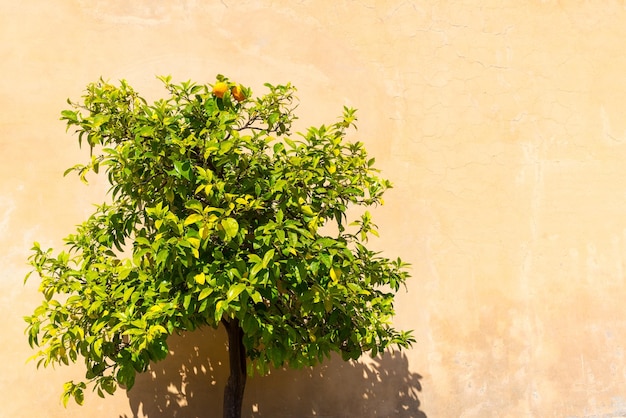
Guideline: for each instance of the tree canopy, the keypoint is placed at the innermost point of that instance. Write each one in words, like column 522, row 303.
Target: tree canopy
column 217, row 214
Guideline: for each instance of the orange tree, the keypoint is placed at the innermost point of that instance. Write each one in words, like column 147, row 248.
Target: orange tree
column 215, row 218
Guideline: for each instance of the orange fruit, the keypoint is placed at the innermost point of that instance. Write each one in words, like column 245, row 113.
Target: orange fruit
column 219, row 89
column 238, row 93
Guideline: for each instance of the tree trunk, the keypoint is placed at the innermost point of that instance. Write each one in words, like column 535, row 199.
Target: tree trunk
column 233, row 392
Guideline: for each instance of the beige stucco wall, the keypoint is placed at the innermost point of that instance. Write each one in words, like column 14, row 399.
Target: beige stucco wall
column 502, row 125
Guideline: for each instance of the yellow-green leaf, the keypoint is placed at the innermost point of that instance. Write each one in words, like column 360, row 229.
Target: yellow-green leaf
column 231, row 227
column 200, row 278
column 234, row 291
column 195, row 242
column 268, row 257
column 205, row 293
column 193, row 218
column 306, row 209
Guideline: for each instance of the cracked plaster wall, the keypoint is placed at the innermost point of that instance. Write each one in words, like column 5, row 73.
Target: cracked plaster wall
column 501, row 124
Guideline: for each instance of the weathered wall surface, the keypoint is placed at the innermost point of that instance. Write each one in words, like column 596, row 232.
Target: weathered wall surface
column 502, row 125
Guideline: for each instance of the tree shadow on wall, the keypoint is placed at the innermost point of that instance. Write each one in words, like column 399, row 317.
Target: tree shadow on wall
column 190, row 382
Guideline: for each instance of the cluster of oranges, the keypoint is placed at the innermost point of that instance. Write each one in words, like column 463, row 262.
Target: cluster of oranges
column 236, row 91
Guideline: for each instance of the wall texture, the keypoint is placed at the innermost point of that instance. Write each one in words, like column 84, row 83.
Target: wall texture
column 501, row 124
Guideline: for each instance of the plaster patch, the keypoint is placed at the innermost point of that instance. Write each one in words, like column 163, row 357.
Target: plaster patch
column 125, row 13
column 607, row 131
column 7, row 207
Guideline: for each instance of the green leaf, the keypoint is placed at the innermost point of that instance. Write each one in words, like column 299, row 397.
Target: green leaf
column 69, row 115
column 250, row 325
column 79, row 396
column 123, row 273
column 109, row 386
column 183, row 168
column 127, row 294
column 326, row 259
column 146, row 130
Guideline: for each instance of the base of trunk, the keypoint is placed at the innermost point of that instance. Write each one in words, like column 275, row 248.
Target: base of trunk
column 233, row 392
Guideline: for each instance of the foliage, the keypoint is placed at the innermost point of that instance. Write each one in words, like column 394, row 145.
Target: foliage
column 216, row 214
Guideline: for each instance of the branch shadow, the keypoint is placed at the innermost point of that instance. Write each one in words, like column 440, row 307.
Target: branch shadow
column 190, row 382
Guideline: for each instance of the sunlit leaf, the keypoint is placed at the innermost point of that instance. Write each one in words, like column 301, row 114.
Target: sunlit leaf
column 200, row 278
column 231, row 227
column 204, row 293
